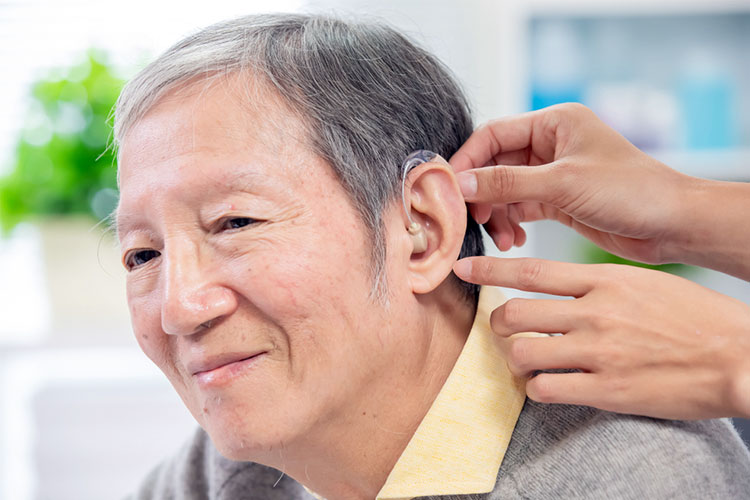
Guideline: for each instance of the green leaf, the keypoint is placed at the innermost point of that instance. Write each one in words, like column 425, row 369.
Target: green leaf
column 62, row 160
column 592, row 254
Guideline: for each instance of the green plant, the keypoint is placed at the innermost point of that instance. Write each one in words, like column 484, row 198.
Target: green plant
column 592, row 254
column 62, row 164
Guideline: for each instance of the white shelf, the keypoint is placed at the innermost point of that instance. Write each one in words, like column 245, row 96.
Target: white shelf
column 589, row 8
column 85, row 423
column 724, row 164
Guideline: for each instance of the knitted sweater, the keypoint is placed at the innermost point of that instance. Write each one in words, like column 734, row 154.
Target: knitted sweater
column 556, row 452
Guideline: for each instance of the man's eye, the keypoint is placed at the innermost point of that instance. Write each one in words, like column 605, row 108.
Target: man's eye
column 237, row 222
column 140, row 257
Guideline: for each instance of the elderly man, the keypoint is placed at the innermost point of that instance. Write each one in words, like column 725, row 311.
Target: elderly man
column 325, row 349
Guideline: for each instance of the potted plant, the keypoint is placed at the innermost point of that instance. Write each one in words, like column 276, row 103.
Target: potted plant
column 63, row 181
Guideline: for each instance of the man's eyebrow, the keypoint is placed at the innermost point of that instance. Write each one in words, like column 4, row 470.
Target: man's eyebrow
column 123, row 223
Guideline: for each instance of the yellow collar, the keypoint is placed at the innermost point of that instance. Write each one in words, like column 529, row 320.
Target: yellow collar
column 460, row 444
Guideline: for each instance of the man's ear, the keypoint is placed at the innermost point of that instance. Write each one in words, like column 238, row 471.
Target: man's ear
column 434, row 200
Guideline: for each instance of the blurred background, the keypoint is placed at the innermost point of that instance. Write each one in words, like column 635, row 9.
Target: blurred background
column 83, row 414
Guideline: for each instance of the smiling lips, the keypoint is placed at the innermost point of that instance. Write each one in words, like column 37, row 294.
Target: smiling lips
column 221, row 369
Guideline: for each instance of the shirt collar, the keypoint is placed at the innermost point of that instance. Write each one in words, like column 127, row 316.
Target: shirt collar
column 461, row 442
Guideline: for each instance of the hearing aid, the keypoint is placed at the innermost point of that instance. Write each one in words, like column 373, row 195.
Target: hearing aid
column 415, row 229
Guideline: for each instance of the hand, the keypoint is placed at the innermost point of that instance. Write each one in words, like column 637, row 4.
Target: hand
column 584, row 175
column 646, row 342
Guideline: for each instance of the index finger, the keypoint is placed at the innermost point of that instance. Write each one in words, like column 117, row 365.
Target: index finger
column 503, row 136
column 532, row 275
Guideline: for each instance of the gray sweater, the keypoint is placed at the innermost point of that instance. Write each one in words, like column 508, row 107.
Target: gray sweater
column 556, row 452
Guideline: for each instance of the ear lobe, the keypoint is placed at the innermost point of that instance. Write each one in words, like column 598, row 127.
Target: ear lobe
column 439, row 208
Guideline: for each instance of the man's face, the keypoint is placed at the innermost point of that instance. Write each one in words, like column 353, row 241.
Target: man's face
column 249, row 277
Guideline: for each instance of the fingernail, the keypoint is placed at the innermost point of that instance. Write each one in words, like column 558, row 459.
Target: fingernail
column 462, row 267
column 468, row 183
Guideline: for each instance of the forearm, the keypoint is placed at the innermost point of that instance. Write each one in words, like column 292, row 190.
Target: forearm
column 713, row 229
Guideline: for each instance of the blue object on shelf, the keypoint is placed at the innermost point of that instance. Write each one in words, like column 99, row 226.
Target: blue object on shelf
column 543, row 97
column 707, row 103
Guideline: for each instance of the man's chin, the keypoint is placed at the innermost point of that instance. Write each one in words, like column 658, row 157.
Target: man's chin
column 253, row 432
column 238, row 451
column 248, row 444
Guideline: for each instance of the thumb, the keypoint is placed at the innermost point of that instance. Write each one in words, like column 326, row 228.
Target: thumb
column 511, row 184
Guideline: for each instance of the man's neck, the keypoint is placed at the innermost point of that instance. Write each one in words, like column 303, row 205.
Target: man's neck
column 352, row 457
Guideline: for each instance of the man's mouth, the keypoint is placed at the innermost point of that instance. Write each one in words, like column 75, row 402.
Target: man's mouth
column 223, row 368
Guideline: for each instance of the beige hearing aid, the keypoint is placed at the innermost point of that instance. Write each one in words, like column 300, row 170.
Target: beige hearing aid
column 418, row 237
column 415, row 229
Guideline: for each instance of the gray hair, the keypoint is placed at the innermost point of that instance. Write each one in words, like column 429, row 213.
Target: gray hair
column 367, row 95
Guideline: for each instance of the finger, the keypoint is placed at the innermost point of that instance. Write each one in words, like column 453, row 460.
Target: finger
column 533, row 275
column 527, row 355
column 530, row 211
column 517, row 157
column 511, row 184
column 504, row 228
column 505, row 135
column 513, row 213
column 566, row 388
column 499, row 227
column 535, row 315
column 519, row 235
column 640, row 395
column 481, row 212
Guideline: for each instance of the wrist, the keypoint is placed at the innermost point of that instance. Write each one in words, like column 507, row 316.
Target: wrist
column 687, row 229
column 709, row 228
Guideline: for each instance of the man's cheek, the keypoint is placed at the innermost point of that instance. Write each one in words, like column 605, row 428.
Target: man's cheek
column 150, row 338
column 145, row 320
column 285, row 282
column 156, row 350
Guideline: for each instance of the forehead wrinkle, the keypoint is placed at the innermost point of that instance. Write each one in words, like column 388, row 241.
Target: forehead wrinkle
column 266, row 120
column 264, row 117
column 238, row 179
column 241, row 179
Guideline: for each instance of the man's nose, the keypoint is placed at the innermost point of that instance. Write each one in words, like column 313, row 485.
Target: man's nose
column 193, row 296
